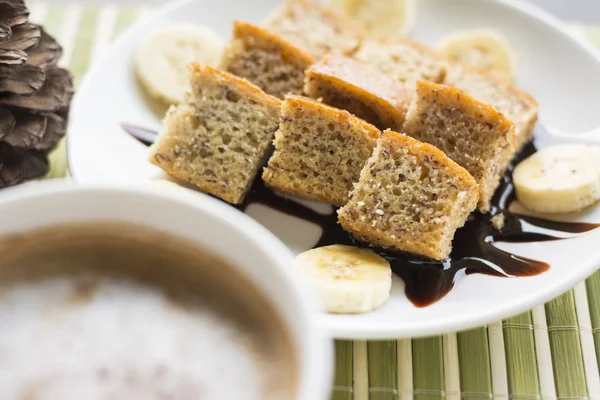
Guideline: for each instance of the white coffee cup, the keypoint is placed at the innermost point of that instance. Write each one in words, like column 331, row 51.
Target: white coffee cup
column 227, row 232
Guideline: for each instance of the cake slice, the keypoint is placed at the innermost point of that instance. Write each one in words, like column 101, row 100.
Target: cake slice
column 473, row 134
column 402, row 59
column 220, row 136
column 319, row 151
column 410, row 197
column 315, row 28
column 265, row 59
column 359, row 88
column 519, row 107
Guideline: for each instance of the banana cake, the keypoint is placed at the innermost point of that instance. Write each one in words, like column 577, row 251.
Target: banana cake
column 519, row 107
column 402, row 59
column 472, row 133
column 315, row 28
column 319, row 151
column 265, row 59
column 360, row 89
column 220, row 136
column 410, row 197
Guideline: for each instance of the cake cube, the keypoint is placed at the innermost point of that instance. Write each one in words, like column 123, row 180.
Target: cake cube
column 220, row 136
column 410, row 197
column 402, row 59
column 319, row 151
column 265, row 59
column 314, row 28
column 518, row 106
column 473, row 134
column 360, row 89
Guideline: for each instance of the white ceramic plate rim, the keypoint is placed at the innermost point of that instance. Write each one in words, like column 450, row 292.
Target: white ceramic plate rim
column 453, row 322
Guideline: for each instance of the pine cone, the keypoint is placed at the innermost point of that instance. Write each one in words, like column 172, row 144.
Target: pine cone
column 34, row 95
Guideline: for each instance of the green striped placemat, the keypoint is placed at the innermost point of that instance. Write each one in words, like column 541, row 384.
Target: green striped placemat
column 548, row 353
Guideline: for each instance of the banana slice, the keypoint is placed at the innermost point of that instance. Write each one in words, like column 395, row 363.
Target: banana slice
column 559, row 179
column 348, row 280
column 487, row 50
column 380, row 17
column 162, row 57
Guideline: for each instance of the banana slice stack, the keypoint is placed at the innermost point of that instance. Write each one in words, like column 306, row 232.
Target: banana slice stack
column 348, row 280
column 559, row 179
column 163, row 56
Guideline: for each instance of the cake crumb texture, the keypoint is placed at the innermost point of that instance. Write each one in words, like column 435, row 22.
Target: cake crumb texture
column 360, row 89
column 220, row 136
column 410, row 197
column 315, row 28
column 265, row 59
column 319, row 151
column 473, row 134
column 518, row 106
column 402, row 60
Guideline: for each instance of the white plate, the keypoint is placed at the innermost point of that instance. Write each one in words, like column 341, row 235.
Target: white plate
column 561, row 72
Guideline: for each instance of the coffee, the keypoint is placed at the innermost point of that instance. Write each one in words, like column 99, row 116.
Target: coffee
column 113, row 311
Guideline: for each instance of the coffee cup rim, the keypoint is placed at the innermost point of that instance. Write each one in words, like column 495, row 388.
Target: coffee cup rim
column 316, row 365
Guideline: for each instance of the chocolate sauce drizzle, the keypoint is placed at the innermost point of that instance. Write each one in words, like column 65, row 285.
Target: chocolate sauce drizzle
column 143, row 135
column 473, row 248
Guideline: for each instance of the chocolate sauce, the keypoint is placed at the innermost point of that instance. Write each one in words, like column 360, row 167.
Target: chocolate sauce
column 473, row 248
column 143, row 135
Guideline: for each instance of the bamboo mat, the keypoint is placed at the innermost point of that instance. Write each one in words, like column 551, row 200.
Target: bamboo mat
column 550, row 352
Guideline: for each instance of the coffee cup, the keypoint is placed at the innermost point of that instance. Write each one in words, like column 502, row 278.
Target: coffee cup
column 144, row 291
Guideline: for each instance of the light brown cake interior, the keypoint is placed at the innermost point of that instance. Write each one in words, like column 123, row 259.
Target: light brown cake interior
column 267, row 60
column 319, row 151
column 518, row 106
column 473, row 134
column 220, row 137
column 402, row 59
column 360, row 89
column 410, row 197
column 314, row 28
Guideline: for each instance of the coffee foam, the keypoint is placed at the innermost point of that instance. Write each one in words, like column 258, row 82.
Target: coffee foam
column 87, row 334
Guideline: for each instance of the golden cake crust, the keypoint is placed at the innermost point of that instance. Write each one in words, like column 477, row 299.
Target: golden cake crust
column 266, row 59
column 473, row 108
column 403, row 59
column 267, row 40
column 319, row 151
column 315, row 28
column 359, row 88
column 220, row 136
column 473, row 134
column 410, row 197
column 516, row 104
column 206, row 72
